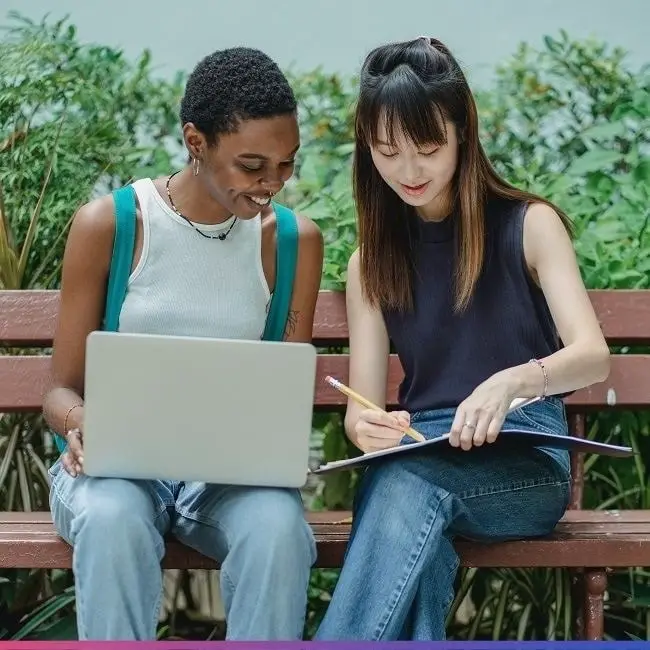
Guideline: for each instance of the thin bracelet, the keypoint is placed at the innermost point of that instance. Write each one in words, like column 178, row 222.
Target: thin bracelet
column 543, row 367
column 65, row 420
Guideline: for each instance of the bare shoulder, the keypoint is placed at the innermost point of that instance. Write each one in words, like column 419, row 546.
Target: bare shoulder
column 95, row 220
column 311, row 248
column 355, row 297
column 90, row 241
column 354, row 263
column 544, row 232
column 308, row 231
column 541, row 218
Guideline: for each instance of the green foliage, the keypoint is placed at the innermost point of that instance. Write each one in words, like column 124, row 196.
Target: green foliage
column 572, row 123
column 74, row 119
column 320, row 592
column 323, row 189
column 510, row 604
column 37, row 607
column 23, row 474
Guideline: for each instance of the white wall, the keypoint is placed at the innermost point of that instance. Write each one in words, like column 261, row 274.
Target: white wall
column 337, row 33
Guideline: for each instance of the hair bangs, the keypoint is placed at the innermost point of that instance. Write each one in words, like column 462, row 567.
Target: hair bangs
column 404, row 108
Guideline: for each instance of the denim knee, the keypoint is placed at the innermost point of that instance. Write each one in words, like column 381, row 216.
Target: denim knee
column 112, row 513
column 277, row 530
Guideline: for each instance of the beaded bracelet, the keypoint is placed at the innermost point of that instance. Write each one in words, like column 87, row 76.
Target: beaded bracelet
column 543, row 367
column 65, row 420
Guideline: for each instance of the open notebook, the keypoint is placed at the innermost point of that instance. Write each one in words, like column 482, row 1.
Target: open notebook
column 506, row 437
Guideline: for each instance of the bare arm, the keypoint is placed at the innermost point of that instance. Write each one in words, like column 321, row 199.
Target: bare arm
column 369, row 352
column 309, row 268
column 85, row 270
column 585, row 358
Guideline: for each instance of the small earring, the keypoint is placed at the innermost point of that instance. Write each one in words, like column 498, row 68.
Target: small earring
column 196, row 163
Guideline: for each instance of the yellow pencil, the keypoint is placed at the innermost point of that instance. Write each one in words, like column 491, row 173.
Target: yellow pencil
column 346, row 390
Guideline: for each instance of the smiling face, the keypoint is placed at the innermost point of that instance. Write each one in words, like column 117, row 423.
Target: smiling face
column 243, row 170
column 422, row 176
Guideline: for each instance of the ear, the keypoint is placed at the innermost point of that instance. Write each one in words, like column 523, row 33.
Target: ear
column 194, row 141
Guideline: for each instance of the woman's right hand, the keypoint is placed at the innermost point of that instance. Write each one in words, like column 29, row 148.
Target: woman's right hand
column 376, row 430
column 73, row 458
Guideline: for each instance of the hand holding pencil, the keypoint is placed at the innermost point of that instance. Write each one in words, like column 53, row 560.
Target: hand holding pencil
column 377, row 429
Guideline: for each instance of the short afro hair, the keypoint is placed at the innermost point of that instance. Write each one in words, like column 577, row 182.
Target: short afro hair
column 233, row 85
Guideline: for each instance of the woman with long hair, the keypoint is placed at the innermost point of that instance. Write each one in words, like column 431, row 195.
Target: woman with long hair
column 475, row 285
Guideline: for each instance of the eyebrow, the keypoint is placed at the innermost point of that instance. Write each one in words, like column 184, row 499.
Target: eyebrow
column 388, row 144
column 259, row 156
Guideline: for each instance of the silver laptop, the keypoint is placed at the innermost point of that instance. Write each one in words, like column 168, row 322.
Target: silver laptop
column 198, row 409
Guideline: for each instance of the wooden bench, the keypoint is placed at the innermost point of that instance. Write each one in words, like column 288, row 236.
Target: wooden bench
column 589, row 542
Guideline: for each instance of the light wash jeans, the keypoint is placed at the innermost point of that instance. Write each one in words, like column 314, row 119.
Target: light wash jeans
column 398, row 576
column 116, row 528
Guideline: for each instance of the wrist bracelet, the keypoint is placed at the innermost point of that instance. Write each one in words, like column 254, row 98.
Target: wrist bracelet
column 65, row 419
column 543, row 367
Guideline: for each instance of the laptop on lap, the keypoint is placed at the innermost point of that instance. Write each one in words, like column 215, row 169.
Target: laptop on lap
column 198, row 409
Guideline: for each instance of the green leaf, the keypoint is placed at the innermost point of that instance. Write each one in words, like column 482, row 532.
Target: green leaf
column 337, row 490
column 608, row 230
column 334, row 445
column 594, row 161
column 641, row 172
column 605, row 131
column 44, row 613
column 62, row 630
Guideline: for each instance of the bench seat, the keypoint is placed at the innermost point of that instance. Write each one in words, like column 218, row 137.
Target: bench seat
column 610, row 539
column 589, row 543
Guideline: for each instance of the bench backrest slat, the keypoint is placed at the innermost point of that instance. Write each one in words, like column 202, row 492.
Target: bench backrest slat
column 28, row 318
column 23, row 381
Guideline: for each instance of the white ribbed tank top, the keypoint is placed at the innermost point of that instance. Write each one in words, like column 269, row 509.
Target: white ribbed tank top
column 187, row 285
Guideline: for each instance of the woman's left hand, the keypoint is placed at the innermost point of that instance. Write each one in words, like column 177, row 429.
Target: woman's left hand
column 479, row 418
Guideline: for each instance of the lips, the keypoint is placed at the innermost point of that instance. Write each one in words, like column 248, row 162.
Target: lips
column 415, row 190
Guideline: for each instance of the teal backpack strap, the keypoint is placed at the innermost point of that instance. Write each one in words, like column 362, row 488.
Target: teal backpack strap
column 285, row 272
column 123, row 245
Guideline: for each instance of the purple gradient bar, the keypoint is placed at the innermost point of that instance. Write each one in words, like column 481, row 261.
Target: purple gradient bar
column 318, row 645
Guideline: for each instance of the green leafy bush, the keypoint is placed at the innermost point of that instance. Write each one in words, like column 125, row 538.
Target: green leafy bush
column 74, row 119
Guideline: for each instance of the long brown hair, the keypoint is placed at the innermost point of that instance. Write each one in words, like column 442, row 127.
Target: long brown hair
column 414, row 87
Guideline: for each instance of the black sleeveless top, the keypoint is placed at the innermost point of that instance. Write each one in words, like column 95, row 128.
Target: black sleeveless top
column 446, row 354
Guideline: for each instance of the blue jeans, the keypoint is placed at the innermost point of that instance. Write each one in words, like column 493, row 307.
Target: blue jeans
column 398, row 576
column 116, row 528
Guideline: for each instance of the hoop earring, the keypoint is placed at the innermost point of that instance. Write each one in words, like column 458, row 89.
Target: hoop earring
column 196, row 163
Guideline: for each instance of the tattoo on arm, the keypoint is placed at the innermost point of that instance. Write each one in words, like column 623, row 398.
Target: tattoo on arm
column 292, row 322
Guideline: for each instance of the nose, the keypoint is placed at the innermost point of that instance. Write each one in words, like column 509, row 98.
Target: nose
column 273, row 182
column 273, row 187
column 411, row 170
